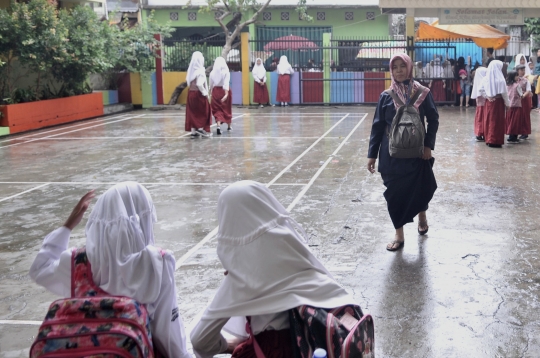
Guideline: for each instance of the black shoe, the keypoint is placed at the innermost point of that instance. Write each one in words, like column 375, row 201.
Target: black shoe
column 480, row 138
column 218, row 131
column 524, row 136
column 512, row 139
column 194, row 135
column 229, row 129
column 494, row 145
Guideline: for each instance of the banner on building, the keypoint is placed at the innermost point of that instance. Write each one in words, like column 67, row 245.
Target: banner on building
column 458, row 16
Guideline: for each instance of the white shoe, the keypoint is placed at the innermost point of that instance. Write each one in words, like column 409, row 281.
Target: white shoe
column 204, row 133
column 261, row 106
column 286, row 104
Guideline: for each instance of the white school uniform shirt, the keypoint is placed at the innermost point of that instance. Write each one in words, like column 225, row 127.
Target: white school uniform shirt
column 125, row 262
column 270, row 269
column 222, row 82
column 220, row 75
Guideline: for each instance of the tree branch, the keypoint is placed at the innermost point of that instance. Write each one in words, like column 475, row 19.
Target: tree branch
column 220, row 22
column 256, row 15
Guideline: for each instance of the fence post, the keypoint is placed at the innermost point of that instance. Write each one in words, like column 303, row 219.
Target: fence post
column 244, row 48
column 409, row 33
column 327, row 58
column 159, row 70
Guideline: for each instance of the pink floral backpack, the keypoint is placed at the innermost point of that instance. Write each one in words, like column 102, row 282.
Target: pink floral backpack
column 93, row 323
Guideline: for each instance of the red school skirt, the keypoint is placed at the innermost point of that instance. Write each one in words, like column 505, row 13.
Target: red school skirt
column 222, row 111
column 479, row 121
column 198, row 111
column 526, row 106
column 284, row 89
column 260, row 93
column 494, row 121
column 514, row 121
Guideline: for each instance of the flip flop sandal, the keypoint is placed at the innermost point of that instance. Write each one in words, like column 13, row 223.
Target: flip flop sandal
column 423, row 224
column 393, row 246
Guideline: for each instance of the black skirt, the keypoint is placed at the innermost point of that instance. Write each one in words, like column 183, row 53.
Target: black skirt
column 408, row 194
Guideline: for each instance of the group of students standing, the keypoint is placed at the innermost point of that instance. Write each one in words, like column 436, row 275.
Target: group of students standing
column 503, row 104
column 203, row 103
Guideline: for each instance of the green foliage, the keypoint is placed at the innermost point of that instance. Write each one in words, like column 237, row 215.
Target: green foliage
column 64, row 47
column 532, row 26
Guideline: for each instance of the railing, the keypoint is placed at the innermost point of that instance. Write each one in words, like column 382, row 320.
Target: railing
column 299, row 53
column 177, row 53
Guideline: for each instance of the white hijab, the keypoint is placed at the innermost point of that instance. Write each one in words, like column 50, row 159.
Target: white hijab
column 271, row 269
column 259, row 72
column 494, row 82
column 518, row 62
column 119, row 239
column 219, row 71
column 196, row 67
column 479, row 76
column 283, row 66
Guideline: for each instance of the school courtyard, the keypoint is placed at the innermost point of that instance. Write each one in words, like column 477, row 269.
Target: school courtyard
column 470, row 288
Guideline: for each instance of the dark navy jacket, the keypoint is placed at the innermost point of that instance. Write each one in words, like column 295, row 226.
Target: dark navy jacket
column 378, row 143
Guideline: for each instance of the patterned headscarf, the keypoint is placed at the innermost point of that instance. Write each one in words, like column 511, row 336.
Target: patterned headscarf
column 402, row 88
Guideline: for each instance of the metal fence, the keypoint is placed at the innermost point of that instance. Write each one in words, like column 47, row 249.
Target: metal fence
column 177, row 53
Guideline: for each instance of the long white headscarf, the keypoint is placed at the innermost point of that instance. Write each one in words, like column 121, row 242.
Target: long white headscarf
column 271, row 269
column 259, row 72
column 494, row 82
column 196, row 67
column 119, row 239
column 479, row 76
column 219, row 71
column 283, row 66
column 518, row 62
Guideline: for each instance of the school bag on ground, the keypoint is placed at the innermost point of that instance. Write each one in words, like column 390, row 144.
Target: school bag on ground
column 92, row 322
column 407, row 132
column 344, row 332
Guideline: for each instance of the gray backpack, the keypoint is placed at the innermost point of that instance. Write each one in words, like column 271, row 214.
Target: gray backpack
column 407, row 133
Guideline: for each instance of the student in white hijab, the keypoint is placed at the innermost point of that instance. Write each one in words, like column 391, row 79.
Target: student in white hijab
column 494, row 89
column 124, row 261
column 521, row 60
column 198, row 111
column 284, row 70
column 260, row 91
column 479, row 76
column 269, row 270
column 221, row 94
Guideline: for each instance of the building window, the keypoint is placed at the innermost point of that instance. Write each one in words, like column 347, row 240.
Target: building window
column 321, row 16
column 192, row 16
column 370, row 15
column 267, row 16
column 349, row 16
column 173, row 16
column 284, row 16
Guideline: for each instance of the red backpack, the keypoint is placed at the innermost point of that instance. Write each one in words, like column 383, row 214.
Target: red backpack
column 92, row 322
column 344, row 332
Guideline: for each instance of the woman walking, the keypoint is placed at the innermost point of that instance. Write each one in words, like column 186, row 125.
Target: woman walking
column 221, row 94
column 285, row 71
column 198, row 111
column 260, row 91
column 479, row 76
column 410, row 183
column 494, row 89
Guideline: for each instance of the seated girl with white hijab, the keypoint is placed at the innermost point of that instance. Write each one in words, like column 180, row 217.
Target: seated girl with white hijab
column 123, row 258
column 269, row 270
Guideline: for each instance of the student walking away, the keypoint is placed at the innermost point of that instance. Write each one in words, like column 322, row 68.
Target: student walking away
column 436, row 83
column 123, row 260
column 221, row 94
column 420, row 73
column 260, row 91
column 479, row 76
column 526, row 101
column 490, row 57
column 270, row 271
column 448, row 75
column 285, row 71
column 494, row 89
column 410, row 182
column 465, row 84
column 198, row 111
column 514, row 114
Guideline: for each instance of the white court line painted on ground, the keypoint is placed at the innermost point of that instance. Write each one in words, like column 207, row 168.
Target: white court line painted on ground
column 24, row 192
column 15, row 321
column 75, row 130
column 213, row 125
column 306, row 188
column 114, row 183
column 87, row 122
column 213, row 233
column 182, row 137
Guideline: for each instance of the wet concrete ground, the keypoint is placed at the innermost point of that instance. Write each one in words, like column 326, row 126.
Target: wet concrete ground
column 470, row 288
